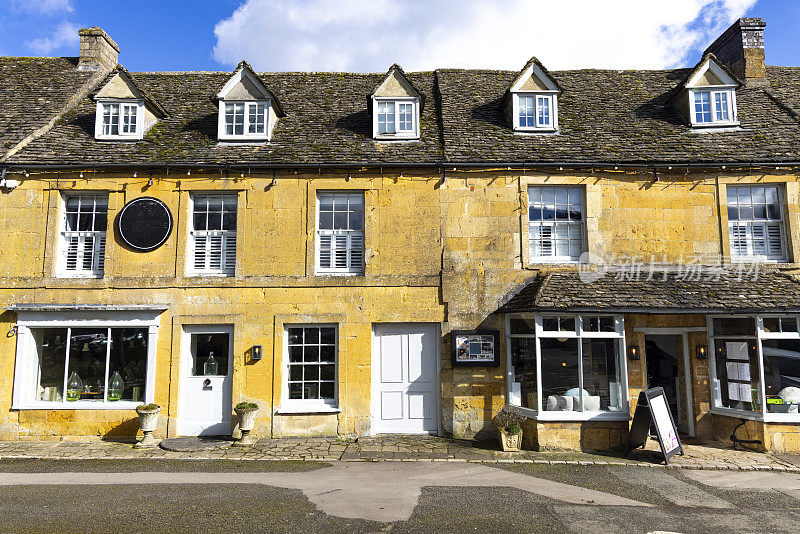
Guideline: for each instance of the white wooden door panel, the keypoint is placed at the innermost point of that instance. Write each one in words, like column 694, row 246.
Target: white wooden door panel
column 405, row 385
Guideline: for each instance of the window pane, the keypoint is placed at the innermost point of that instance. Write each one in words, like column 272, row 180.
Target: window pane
column 702, row 107
column 559, row 374
column 737, row 384
column 128, row 364
column 734, row 326
column 327, row 335
column 550, row 324
column 210, row 354
column 523, row 357
column 601, row 375
column 87, row 362
column 522, row 326
column 782, row 374
column 51, row 348
column 311, row 372
column 560, row 238
column 326, row 220
column 772, row 324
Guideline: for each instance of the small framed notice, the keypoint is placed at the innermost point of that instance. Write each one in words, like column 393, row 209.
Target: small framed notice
column 476, row 348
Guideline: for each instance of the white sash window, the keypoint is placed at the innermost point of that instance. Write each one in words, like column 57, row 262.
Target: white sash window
column 755, row 223
column 340, row 233
column 83, row 236
column 556, row 223
column 212, row 243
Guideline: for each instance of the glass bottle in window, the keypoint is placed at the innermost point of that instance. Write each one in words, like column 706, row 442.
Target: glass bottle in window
column 115, row 387
column 74, row 387
column 211, row 367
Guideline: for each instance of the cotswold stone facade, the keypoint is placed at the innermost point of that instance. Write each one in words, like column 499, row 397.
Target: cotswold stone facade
column 325, row 272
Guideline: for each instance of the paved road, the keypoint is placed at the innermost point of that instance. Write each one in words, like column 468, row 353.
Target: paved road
column 192, row 496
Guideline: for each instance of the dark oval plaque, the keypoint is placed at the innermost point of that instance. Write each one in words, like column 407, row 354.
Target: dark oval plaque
column 144, row 223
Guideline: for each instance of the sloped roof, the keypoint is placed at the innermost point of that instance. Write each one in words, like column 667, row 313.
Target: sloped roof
column 32, row 90
column 608, row 116
column 766, row 290
column 605, row 116
column 326, row 121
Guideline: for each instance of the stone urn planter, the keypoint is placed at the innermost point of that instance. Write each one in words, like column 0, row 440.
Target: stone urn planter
column 509, row 424
column 247, row 418
column 511, row 442
column 148, row 421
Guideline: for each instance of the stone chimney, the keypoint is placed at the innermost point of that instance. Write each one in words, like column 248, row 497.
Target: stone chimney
column 98, row 50
column 741, row 49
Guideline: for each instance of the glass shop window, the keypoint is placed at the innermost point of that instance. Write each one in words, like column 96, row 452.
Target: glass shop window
column 210, row 354
column 91, row 364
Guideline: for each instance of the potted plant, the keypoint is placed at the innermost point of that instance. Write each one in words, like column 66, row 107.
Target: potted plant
column 148, row 420
column 247, row 418
column 509, row 423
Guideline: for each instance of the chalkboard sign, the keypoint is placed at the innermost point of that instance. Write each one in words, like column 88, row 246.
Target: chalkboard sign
column 144, row 223
column 652, row 408
column 475, row 348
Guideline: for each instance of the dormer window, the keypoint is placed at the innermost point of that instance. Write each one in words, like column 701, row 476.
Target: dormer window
column 713, row 106
column 707, row 96
column 532, row 100
column 125, row 111
column 397, row 118
column 246, row 119
column 396, row 107
column 248, row 110
column 120, row 120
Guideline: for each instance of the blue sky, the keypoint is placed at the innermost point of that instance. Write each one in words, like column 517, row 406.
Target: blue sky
column 370, row 35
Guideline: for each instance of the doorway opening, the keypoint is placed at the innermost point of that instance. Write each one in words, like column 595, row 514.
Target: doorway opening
column 668, row 367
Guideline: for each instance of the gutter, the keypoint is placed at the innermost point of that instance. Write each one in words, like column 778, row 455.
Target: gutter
column 443, row 165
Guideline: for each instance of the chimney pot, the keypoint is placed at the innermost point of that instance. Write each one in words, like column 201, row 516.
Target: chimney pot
column 741, row 49
column 97, row 50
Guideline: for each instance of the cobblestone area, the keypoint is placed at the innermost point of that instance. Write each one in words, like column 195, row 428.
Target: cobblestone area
column 404, row 448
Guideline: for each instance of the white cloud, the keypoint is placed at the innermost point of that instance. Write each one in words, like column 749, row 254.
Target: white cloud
column 65, row 35
column 45, row 7
column 370, row 35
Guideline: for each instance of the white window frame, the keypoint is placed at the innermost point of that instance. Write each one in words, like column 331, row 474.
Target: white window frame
column 308, row 405
column 728, row 91
column 760, row 334
column 514, row 388
column 120, row 104
column 555, row 259
column 99, row 241
column 413, row 133
column 225, row 235
column 26, row 371
column 350, row 270
column 550, row 96
column 248, row 121
column 749, row 223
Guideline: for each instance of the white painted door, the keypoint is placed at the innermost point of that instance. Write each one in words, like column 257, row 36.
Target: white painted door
column 206, row 369
column 405, row 379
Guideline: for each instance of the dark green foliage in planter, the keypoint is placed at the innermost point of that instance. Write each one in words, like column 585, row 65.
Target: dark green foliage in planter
column 246, row 407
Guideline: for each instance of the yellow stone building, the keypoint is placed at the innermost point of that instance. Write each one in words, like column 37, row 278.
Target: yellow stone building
column 384, row 253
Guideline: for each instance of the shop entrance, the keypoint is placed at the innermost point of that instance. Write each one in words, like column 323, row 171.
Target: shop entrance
column 667, row 364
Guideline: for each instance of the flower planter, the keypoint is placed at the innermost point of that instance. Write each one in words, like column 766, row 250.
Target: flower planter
column 247, row 419
column 148, row 422
column 510, row 442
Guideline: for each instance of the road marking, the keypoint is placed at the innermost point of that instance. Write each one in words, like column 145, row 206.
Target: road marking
column 385, row 491
column 671, row 488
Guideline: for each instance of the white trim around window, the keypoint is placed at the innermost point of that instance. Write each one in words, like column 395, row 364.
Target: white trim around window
column 212, row 234
column 28, row 392
column 757, row 223
column 395, row 118
column 311, row 369
column 535, row 111
column 119, row 120
column 556, row 223
column 244, row 120
column 713, row 107
column 579, row 328
column 780, row 330
column 82, row 228
column 340, row 233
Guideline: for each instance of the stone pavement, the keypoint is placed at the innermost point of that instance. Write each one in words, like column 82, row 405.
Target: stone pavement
column 405, row 448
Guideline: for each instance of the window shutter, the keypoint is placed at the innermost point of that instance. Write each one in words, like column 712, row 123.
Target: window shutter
column 340, row 252
column 215, row 252
column 200, row 252
column 759, row 239
column 356, row 251
column 546, row 241
column 230, row 253
column 774, row 240
column 100, row 253
column 325, row 251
